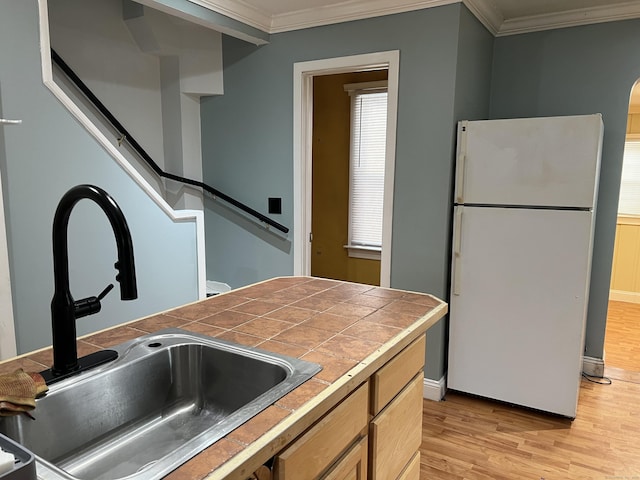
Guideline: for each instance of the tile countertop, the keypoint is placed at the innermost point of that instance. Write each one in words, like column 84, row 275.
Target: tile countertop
column 350, row 329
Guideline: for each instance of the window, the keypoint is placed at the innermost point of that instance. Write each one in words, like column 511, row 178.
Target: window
column 629, row 203
column 366, row 170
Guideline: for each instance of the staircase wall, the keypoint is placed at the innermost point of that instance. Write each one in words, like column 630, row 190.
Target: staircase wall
column 52, row 152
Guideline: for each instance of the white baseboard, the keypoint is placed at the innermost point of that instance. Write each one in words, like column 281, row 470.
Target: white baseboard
column 434, row 389
column 622, row 296
column 593, row 366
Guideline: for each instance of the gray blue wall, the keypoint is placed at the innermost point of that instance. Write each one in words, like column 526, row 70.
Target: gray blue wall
column 471, row 102
column 577, row 70
column 445, row 54
column 40, row 160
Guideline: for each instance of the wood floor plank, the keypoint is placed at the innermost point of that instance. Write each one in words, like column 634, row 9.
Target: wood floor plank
column 471, row 438
column 622, row 339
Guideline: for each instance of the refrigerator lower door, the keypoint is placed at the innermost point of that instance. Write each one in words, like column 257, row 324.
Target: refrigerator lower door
column 517, row 316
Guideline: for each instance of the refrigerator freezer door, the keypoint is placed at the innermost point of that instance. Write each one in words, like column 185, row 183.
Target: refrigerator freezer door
column 517, row 323
column 552, row 161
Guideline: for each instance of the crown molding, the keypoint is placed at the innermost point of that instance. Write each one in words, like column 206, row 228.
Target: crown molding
column 487, row 13
column 572, row 18
column 239, row 10
column 485, row 10
column 348, row 11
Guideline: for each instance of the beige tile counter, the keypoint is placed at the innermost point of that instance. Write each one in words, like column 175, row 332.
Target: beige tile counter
column 351, row 330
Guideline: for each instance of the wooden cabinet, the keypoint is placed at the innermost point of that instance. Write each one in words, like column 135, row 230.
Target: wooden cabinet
column 388, row 381
column 323, row 444
column 412, row 470
column 374, row 433
column 353, row 465
column 396, row 433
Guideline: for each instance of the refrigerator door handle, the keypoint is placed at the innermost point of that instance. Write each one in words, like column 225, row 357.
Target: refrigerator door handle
column 457, row 250
column 461, row 160
column 460, row 179
column 6, row 121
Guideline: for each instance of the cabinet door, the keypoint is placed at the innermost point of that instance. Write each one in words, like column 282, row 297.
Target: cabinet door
column 387, row 382
column 353, row 466
column 412, row 471
column 396, row 434
column 325, row 442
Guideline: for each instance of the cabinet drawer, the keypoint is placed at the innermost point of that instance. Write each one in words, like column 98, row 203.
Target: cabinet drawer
column 323, row 443
column 412, row 471
column 353, row 465
column 396, row 434
column 387, row 382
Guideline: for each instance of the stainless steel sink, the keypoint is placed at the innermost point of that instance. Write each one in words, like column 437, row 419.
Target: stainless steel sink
column 167, row 397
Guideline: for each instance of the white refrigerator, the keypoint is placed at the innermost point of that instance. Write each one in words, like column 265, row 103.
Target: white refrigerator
column 521, row 258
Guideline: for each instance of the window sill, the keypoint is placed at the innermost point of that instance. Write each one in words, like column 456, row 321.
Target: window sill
column 360, row 251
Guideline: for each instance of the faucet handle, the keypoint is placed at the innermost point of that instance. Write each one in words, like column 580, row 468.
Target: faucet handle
column 90, row 305
column 104, row 292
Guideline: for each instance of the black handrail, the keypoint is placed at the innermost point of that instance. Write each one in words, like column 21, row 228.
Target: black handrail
column 126, row 136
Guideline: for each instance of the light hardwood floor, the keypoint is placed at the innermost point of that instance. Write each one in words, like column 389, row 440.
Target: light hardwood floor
column 469, row 438
column 622, row 339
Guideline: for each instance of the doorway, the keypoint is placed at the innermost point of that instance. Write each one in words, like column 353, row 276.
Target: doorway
column 304, row 73
column 339, row 107
column 622, row 335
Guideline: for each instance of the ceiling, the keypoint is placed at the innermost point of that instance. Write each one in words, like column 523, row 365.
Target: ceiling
column 501, row 17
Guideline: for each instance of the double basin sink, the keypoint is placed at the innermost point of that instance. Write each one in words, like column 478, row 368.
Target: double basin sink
column 167, row 396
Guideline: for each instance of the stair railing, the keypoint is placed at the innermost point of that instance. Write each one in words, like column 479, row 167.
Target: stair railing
column 127, row 137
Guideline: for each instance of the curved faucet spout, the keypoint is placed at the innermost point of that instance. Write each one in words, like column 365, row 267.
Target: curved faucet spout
column 64, row 310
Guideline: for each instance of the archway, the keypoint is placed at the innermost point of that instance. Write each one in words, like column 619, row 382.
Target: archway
column 623, row 318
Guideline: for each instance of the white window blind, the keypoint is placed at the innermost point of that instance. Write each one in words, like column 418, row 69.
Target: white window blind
column 629, row 203
column 368, row 146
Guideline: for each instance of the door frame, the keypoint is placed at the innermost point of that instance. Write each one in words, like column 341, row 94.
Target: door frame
column 303, row 73
column 8, row 346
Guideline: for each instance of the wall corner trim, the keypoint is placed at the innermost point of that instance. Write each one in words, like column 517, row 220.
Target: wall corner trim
column 487, row 13
column 593, row 366
column 434, row 389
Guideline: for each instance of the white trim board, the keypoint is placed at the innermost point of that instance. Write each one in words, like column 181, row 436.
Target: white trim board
column 593, row 366
column 8, row 348
column 434, row 389
column 347, row 11
column 175, row 215
column 571, row 18
column 485, row 11
column 303, row 73
column 621, row 296
column 243, row 12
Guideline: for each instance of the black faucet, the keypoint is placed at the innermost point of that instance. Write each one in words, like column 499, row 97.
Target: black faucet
column 64, row 310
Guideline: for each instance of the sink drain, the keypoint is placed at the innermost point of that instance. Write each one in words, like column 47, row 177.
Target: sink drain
column 154, row 345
